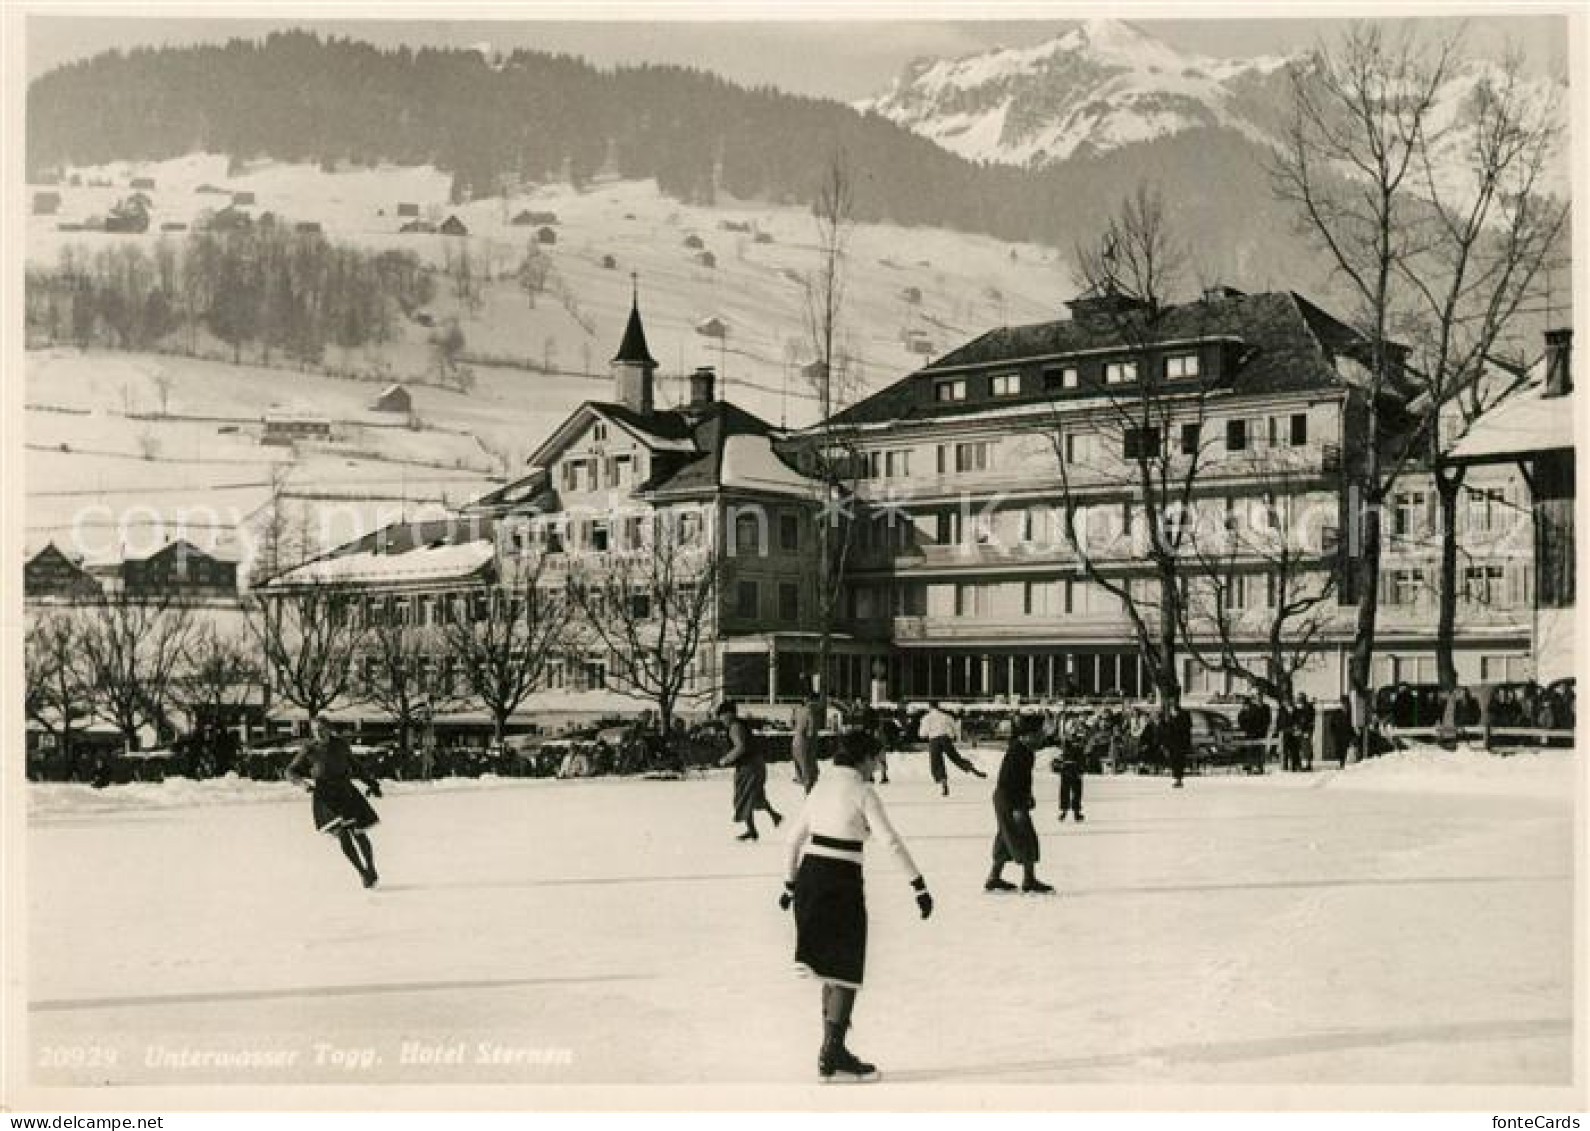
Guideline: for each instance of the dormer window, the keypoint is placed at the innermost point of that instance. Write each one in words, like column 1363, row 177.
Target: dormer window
column 599, row 433
column 1181, row 365
column 1006, row 384
column 1062, row 377
column 1120, row 372
column 948, row 392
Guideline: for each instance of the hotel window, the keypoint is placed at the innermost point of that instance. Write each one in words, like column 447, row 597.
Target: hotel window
column 789, row 532
column 1006, row 384
column 1120, row 372
column 599, row 433
column 789, row 601
column 943, row 458
column 595, row 675
column 1236, row 592
column 1404, row 587
column 1063, row 377
column 1407, row 514
column 689, row 528
column 1482, row 585
column 1190, row 434
column 971, row 457
column 1299, row 429
column 1181, row 365
column 746, row 599
column 1485, row 508
column 969, row 600
column 599, row 536
column 620, row 470
column 639, row 606
column 747, row 534
column 871, row 465
column 946, row 392
column 1141, row 443
column 1030, row 520
column 897, row 465
column 948, row 532
column 1236, row 435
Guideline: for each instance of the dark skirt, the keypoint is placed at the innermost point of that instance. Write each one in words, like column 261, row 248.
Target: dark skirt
column 1016, row 840
column 750, row 789
column 831, row 920
column 338, row 805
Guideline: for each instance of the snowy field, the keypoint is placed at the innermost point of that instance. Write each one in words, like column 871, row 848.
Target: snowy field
column 1398, row 923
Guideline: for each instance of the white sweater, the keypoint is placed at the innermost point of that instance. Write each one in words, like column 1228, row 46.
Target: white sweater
column 940, row 724
column 843, row 807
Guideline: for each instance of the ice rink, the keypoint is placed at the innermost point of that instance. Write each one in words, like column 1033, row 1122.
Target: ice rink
column 1408, row 922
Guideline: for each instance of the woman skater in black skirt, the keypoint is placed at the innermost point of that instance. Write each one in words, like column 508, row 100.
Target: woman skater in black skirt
column 327, row 768
column 750, row 772
column 824, row 886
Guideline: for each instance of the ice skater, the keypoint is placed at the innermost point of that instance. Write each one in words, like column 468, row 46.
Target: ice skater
column 806, row 742
column 1015, row 840
column 327, row 768
column 750, row 771
column 941, row 731
column 823, row 884
column 1067, row 756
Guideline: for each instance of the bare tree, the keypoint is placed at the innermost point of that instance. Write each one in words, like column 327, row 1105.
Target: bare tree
column 1145, row 429
column 404, row 678
column 503, row 638
column 1446, row 263
column 1263, row 591
column 649, row 608
column 1489, row 238
column 311, row 635
column 1349, row 163
column 220, row 675
column 831, row 458
column 56, row 678
column 134, row 649
column 534, row 270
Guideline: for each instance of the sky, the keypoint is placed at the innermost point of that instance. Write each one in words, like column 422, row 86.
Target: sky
column 845, row 59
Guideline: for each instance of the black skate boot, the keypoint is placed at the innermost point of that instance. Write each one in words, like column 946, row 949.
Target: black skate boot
column 838, row 1065
column 998, row 883
column 1035, row 886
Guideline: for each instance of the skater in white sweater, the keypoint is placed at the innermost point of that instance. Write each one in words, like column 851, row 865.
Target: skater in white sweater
column 823, row 884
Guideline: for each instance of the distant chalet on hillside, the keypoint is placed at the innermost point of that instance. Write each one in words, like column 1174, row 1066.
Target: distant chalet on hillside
column 713, row 327
column 418, row 227
column 529, row 218
column 51, row 574
column 453, row 226
column 289, row 425
column 147, row 184
column 407, row 209
column 178, row 570
column 546, row 236
column 46, row 203
column 394, row 399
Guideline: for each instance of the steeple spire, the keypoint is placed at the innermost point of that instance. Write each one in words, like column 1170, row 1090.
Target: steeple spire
column 634, row 365
column 632, row 349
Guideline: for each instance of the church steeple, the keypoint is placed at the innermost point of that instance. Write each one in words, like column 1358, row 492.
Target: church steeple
column 633, row 365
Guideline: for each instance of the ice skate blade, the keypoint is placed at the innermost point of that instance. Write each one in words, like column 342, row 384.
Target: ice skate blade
column 851, row 1078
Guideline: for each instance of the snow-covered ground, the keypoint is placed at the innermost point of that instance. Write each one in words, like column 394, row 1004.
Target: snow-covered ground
column 1371, row 926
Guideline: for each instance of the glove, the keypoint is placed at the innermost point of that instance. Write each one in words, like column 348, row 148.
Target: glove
column 372, row 788
column 786, row 899
column 924, row 900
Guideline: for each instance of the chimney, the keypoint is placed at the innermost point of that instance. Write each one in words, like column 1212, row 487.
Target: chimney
column 1559, row 359
column 702, row 382
column 1220, row 291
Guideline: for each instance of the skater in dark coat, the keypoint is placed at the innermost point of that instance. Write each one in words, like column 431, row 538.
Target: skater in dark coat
column 941, row 731
column 327, row 768
column 1176, row 737
column 750, row 772
column 1014, row 838
column 823, row 883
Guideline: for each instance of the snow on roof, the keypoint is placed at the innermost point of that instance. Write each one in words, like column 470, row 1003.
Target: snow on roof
column 294, row 414
column 1526, row 423
column 427, row 563
column 750, row 463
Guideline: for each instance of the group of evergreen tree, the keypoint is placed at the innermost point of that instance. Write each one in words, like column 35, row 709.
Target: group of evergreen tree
column 265, row 287
column 535, row 117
